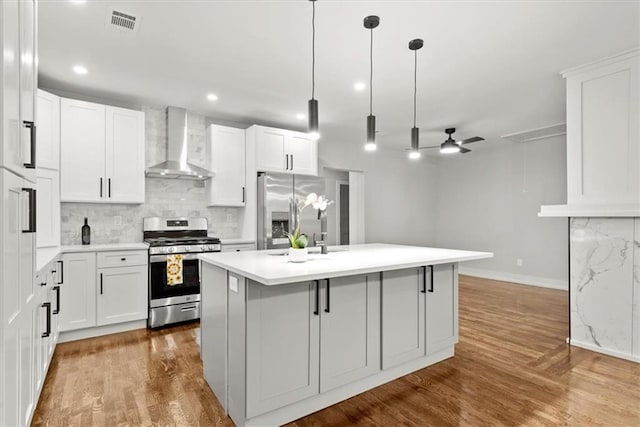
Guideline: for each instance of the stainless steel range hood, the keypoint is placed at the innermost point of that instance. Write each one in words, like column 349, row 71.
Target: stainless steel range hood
column 176, row 165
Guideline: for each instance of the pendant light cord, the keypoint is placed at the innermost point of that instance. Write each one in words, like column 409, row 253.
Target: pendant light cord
column 415, row 85
column 313, row 50
column 371, row 76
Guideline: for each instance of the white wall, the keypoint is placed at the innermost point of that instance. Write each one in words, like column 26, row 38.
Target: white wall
column 489, row 199
column 399, row 194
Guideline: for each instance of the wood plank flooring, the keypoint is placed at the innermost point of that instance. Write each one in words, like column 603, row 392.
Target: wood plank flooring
column 512, row 367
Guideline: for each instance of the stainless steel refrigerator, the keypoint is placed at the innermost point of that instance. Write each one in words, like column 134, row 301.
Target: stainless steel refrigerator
column 277, row 195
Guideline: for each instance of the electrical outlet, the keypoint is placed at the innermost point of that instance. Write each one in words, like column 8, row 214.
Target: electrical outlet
column 229, row 217
column 519, row 262
column 117, row 220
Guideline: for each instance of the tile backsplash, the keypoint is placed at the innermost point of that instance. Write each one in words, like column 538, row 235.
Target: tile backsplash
column 164, row 197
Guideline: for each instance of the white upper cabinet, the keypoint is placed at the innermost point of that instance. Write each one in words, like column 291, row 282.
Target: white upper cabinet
column 48, row 132
column 124, row 155
column 101, row 153
column 603, row 132
column 280, row 150
column 227, row 154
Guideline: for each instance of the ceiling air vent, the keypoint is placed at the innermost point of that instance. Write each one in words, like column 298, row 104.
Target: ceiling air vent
column 537, row 134
column 124, row 22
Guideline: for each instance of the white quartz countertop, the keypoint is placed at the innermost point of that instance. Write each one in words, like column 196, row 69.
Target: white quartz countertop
column 45, row 255
column 274, row 268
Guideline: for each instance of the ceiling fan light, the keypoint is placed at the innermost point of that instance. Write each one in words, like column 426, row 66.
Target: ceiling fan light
column 449, row 147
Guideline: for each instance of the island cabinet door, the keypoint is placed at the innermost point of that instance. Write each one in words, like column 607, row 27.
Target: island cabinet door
column 403, row 315
column 442, row 308
column 283, row 337
column 349, row 329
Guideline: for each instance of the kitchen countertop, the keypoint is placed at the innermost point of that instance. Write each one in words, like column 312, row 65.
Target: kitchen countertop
column 45, row 255
column 274, row 268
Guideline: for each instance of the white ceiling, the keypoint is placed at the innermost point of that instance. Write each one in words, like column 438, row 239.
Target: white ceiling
column 488, row 68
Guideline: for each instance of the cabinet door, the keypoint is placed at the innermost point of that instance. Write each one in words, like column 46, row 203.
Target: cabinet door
column 403, row 316
column 282, row 346
column 124, row 155
column 227, row 188
column 442, row 308
column 48, row 122
column 82, row 151
column 28, row 80
column 270, row 150
column 11, row 147
column 349, row 330
column 122, row 294
column 78, row 298
column 303, row 154
column 48, row 212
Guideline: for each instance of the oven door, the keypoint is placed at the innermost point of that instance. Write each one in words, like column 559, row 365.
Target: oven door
column 160, row 293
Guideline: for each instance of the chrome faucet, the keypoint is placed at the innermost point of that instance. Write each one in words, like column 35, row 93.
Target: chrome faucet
column 322, row 216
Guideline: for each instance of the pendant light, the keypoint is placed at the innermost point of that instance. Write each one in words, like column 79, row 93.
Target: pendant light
column 414, row 153
column 371, row 22
column 314, row 131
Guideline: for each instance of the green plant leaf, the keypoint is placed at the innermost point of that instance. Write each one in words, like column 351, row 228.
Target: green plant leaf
column 302, row 241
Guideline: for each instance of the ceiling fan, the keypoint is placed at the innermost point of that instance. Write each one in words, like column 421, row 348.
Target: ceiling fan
column 453, row 146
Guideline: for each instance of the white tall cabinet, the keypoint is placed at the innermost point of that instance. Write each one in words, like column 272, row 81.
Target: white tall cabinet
column 18, row 297
column 101, row 153
column 48, row 171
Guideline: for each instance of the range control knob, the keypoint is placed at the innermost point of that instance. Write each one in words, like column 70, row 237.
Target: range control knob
column 186, row 249
column 171, row 249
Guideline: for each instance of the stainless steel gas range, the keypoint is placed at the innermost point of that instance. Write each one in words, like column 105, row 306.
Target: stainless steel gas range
column 174, row 273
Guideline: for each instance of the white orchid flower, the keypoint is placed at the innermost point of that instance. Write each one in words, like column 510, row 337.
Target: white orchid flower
column 322, row 203
column 311, row 199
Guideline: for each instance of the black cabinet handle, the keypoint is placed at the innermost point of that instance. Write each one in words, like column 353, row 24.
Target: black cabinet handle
column 317, row 308
column 327, row 309
column 32, row 210
column 292, row 162
column 57, row 289
column 431, row 284
column 32, row 130
column 287, row 156
column 123, row 259
column 47, row 305
column 100, row 283
column 424, row 280
column 100, row 187
column 61, row 272
column 43, row 284
column 242, row 194
column 109, row 187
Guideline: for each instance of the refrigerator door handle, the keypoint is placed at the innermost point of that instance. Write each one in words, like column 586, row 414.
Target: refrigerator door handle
column 32, row 210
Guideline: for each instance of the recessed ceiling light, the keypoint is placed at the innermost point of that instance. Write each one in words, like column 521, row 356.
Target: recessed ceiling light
column 79, row 69
column 78, row 1
column 301, row 116
column 212, row 97
column 359, row 86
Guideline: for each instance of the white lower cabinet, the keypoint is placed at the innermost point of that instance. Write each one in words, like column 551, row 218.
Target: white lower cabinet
column 283, row 346
column 79, row 294
column 442, row 308
column 104, row 288
column 122, row 295
column 349, row 329
column 290, row 328
column 403, row 316
column 420, row 306
column 238, row 247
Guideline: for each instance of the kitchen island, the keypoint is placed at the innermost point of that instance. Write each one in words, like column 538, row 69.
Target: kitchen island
column 281, row 340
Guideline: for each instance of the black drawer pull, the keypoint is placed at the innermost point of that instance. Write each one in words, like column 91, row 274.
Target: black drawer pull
column 327, row 308
column 57, row 289
column 47, row 305
column 431, row 284
column 123, row 259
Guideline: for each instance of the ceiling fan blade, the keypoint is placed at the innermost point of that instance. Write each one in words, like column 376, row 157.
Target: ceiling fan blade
column 464, row 150
column 470, row 140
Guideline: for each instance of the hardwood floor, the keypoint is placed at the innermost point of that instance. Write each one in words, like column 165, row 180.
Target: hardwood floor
column 512, row 367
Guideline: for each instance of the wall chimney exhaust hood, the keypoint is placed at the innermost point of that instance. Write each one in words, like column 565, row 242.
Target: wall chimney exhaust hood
column 176, row 165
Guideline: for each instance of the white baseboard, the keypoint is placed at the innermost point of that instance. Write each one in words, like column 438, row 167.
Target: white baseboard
column 98, row 331
column 608, row 352
column 543, row 282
